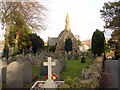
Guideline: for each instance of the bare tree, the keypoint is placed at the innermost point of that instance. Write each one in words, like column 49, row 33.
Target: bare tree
column 31, row 13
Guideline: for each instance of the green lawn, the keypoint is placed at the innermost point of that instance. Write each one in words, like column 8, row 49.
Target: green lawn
column 74, row 68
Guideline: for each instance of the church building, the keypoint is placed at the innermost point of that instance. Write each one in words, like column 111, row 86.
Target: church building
column 60, row 41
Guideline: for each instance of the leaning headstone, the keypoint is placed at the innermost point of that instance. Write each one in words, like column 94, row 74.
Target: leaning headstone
column 27, row 71
column 14, row 75
column 82, row 59
column 56, row 69
column 4, row 69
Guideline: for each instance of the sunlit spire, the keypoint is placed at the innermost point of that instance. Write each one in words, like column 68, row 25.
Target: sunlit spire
column 67, row 27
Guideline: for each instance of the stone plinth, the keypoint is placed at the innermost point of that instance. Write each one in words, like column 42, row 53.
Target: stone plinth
column 49, row 84
column 40, row 84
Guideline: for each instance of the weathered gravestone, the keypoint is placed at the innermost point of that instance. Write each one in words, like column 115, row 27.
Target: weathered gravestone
column 76, row 56
column 66, row 56
column 37, row 62
column 0, row 73
column 43, row 69
column 27, row 71
column 4, row 69
column 56, row 55
column 69, row 57
column 56, row 69
column 14, row 75
column 10, row 59
column 4, row 62
column 82, row 59
column 19, row 58
column 63, row 63
column 32, row 59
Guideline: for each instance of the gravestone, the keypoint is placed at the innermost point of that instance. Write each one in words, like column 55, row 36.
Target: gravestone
column 69, row 57
column 37, row 62
column 66, row 56
column 56, row 69
column 63, row 63
column 76, row 56
column 43, row 69
column 32, row 59
column 10, row 59
column 49, row 82
column 27, row 71
column 14, row 75
column 4, row 62
column 19, row 58
column 82, row 59
column 4, row 69
column 0, row 73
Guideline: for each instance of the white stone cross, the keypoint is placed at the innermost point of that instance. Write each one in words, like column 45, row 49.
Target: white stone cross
column 49, row 64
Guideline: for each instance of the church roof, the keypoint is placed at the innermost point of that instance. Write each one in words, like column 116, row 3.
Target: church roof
column 61, row 33
column 52, row 41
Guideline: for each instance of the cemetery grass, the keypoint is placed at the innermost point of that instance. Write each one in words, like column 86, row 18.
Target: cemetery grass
column 74, row 68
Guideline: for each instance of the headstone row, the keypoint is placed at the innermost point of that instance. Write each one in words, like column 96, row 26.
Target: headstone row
column 15, row 74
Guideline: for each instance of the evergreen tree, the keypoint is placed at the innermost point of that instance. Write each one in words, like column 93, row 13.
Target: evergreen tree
column 68, row 45
column 37, row 42
column 98, row 40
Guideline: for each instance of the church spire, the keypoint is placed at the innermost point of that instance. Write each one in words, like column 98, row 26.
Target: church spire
column 67, row 27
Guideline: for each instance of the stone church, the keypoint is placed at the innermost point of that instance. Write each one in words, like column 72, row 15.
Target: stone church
column 60, row 41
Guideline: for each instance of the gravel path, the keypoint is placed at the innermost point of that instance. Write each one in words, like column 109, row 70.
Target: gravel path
column 111, row 74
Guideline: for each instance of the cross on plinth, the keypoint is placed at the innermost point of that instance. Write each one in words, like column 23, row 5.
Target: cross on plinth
column 49, row 64
column 49, row 83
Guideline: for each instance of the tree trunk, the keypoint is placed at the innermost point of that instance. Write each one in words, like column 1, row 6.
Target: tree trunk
column 6, row 48
column 16, row 44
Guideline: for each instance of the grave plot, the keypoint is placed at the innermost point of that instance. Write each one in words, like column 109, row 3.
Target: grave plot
column 49, row 83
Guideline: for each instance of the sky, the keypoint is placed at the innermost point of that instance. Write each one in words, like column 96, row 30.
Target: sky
column 84, row 18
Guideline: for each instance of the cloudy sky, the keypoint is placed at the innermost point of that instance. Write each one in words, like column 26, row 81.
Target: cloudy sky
column 84, row 17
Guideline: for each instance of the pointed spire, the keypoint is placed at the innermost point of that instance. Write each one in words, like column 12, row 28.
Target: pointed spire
column 67, row 27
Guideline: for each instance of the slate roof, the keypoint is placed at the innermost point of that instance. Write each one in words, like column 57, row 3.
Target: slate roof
column 52, row 41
